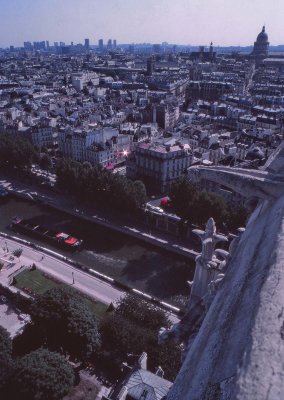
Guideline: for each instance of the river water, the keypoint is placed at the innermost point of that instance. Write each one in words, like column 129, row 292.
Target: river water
column 124, row 258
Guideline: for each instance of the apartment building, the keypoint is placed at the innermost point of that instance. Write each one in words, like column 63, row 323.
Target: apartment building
column 159, row 165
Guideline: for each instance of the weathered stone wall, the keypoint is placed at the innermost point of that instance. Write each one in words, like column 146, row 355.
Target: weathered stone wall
column 238, row 352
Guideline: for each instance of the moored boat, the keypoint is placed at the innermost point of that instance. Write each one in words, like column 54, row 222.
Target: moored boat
column 61, row 239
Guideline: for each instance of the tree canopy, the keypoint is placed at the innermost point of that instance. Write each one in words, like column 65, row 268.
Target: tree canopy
column 45, row 162
column 197, row 207
column 66, row 321
column 99, row 185
column 41, row 375
column 16, row 151
column 5, row 343
column 141, row 312
column 132, row 329
column 183, row 197
column 6, row 362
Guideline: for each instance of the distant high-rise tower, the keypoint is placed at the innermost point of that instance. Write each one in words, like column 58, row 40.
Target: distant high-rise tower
column 150, row 66
column 39, row 45
column 211, row 49
column 114, row 43
column 109, row 44
column 87, row 44
column 261, row 47
column 101, row 44
column 156, row 48
column 28, row 46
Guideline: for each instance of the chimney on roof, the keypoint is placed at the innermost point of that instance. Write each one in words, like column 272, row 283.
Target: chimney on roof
column 142, row 362
column 159, row 372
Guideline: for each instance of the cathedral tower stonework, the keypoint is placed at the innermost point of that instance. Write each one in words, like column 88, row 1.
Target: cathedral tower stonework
column 236, row 350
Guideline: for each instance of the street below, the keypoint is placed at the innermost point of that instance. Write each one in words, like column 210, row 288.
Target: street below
column 61, row 271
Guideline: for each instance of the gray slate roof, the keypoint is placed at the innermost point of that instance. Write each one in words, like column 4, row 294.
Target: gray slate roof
column 141, row 380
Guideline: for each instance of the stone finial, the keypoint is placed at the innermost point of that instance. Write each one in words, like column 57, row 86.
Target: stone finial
column 209, row 239
column 142, row 362
column 210, row 228
column 207, row 279
column 159, row 371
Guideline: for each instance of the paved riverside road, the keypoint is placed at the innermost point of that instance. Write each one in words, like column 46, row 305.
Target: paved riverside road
column 60, row 270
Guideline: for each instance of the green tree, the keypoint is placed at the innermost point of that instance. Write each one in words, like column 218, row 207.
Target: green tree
column 66, row 321
column 140, row 194
column 99, row 185
column 18, row 252
column 45, row 162
column 183, row 198
column 44, row 149
column 41, row 375
column 16, row 151
column 65, row 172
column 237, row 217
column 5, row 343
column 209, row 205
column 31, row 339
column 141, row 312
column 87, row 165
column 133, row 328
column 197, row 207
column 6, row 362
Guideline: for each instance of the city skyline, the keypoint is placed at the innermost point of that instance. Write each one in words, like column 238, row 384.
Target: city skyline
column 184, row 22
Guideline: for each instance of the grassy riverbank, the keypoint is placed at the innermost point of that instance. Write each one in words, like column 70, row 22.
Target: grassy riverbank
column 36, row 282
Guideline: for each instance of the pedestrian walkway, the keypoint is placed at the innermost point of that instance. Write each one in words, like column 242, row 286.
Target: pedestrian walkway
column 62, row 271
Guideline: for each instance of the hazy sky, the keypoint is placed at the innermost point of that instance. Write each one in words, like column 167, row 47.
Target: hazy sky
column 225, row 22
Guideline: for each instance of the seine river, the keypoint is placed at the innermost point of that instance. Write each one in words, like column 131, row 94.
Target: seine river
column 139, row 265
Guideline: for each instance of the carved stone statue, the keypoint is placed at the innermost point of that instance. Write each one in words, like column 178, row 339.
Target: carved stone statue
column 207, row 264
column 209, row 272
